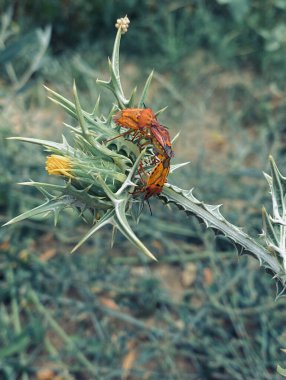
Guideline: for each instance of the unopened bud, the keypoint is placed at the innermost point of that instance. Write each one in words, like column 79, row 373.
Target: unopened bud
column 122, row 23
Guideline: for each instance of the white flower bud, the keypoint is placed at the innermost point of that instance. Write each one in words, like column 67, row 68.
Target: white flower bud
column 122, row 24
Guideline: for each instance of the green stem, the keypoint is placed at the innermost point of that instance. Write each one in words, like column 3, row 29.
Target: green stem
column 115, row 59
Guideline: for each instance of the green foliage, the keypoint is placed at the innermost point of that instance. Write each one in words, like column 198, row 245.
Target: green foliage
column 91, row 307
column 21, row 58
column 21, row 55
column 222, row 322
column 99, row 173
column 91, row 18
column 246, row 31
column 280, row 370
column 100, row 177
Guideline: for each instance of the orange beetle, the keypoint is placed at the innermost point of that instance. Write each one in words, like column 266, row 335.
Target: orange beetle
column 161, row 140
column 128, row 118
column 143, row 121
column 157, row 178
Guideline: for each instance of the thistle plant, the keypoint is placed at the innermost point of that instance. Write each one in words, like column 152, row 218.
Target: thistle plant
column 100, row 168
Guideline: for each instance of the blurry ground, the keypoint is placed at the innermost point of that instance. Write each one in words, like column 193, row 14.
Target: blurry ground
column 200, row 312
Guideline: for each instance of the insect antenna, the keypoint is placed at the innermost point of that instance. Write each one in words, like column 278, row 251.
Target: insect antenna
column 116, row 137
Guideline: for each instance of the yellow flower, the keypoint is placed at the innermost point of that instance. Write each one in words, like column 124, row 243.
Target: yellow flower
column 59, row 165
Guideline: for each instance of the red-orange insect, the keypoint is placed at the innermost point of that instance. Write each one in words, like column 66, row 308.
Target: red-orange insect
column 161, row 142
column 143, row 122
column 157, row 178
column 128, row 118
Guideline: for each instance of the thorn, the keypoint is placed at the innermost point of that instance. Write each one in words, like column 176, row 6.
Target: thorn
column 149, row 207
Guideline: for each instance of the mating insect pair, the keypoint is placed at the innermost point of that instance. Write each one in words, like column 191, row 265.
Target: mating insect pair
column 143, row 124
column 157, row 178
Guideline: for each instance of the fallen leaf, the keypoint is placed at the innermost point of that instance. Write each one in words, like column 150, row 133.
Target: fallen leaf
column 4, row 245
column 47, row 255
column 208, row 276
column 129, row 360
column 45, row 374
column 108, row 302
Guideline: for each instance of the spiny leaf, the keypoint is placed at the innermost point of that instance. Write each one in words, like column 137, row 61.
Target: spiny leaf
column 54, row 206
column 79, row 112
column 186, row 201
column 71, row 109
column 128, row 182
column 62, row 101
column 145, row 90
column 161, row 110
column 111, row 114
column 277, row 191
column 95, row 111
column 63, row 147
column 175, row 137
column 130, row 149
column 281, row 371
column 131, row 101
column 120, row 222
column 43, row 185
column 104, row 220
column 268, row 229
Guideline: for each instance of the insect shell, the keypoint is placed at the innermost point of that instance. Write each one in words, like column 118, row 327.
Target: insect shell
column 157, row 178
column 144, row 122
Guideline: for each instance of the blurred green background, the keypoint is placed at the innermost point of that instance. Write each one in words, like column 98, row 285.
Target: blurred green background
column 201, row 312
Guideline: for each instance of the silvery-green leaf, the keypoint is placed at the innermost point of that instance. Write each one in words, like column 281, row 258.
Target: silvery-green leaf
column 277, row 191
column 79, row 112
column 178, row 166
column 281, row 371
column 268, row 229
column 145, row 90
column 120, row 221
column 185, row 200
column 53, row 206
column 104, row 220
